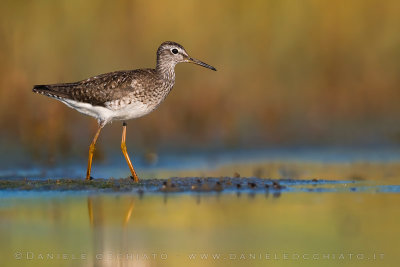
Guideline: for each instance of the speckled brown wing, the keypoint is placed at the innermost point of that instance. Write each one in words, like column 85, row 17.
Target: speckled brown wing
column 97, row 90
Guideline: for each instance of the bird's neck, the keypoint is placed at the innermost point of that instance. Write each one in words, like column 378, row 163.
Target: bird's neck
column 166, row 69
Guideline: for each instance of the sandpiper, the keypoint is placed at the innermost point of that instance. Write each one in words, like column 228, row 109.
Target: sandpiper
column 122, row 95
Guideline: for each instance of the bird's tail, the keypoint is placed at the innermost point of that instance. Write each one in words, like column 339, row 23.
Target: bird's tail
column 41, row 89
column 48, row 90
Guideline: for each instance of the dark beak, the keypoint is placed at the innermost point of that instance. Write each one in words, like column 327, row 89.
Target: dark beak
column 198, row 62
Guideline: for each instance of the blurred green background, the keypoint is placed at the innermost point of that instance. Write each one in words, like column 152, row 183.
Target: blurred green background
column 290, row 73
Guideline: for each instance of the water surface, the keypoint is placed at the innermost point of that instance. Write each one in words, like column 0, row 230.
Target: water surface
column 352, row 222
column 184, row 229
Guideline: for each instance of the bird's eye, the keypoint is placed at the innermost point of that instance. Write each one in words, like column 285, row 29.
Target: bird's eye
column 174, row 51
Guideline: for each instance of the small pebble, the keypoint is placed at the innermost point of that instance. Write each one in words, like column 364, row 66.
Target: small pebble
column 252, row 185
column 277, row 186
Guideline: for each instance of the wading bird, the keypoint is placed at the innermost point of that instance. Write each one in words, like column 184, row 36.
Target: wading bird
column 122, row 95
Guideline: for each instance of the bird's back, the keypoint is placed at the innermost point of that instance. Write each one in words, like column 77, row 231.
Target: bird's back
column 142, row 85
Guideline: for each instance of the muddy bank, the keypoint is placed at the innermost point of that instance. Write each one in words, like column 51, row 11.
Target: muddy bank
column 176, row 184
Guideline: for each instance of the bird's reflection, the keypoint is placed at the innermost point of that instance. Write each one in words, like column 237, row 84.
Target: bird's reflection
column 102, row 218
column 96, row 214
column 128, row 214
column 90, row 210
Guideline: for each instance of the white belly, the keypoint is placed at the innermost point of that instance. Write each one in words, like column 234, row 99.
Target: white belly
column 108, row 114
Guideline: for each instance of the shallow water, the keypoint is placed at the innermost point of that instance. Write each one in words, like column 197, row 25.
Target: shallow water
column 348, row 223
column 379, row 164
column 184, row 229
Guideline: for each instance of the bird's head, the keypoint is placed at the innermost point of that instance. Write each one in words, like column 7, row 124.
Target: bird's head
column 173, row 53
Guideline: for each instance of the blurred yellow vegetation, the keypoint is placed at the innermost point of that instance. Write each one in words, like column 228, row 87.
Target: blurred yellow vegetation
column 289, row 72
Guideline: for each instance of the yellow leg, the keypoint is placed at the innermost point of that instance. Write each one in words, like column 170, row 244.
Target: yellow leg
column 91, row 151
column 124, row 151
